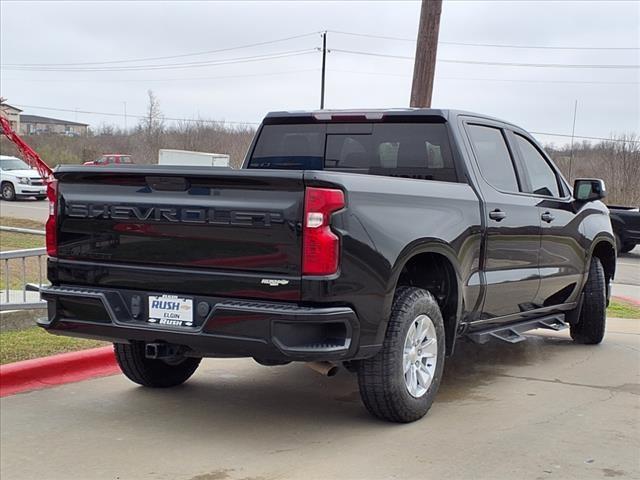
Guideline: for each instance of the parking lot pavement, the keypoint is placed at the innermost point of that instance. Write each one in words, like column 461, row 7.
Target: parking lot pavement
column 541, row 409
column 29, row 208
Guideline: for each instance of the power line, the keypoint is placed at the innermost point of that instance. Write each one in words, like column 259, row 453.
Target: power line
column 171, row 66
column 586, row 82
column 111, row 114
column 176, row 79
column 494, row 45
column 603, row 139
column 145, row 59
column 481, row 62
column 305, row 70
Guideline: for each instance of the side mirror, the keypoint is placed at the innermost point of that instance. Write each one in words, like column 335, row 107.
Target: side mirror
column 589, row 189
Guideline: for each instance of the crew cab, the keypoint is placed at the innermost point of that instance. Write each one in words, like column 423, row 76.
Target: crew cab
column 18, row 179
column 371, row 239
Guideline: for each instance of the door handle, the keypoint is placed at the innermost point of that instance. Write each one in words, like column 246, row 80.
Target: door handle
column 497, row 215
column 548, row 217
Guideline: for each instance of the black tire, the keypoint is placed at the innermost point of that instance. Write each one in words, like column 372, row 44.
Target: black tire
column 41, row 197
column 591, row 325
column 8, row 191
column 150, row 372
column 381, row 378
column 627, row 247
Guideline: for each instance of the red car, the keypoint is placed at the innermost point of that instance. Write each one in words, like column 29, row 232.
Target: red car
column 111, row 159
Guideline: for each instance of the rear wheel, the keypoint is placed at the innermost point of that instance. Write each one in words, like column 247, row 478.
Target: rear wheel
column 399, row 384
column 591, row 325
column 152, row 372
column 8, row 191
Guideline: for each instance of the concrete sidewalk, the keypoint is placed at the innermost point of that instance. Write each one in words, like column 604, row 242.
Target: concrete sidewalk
column 543, row 409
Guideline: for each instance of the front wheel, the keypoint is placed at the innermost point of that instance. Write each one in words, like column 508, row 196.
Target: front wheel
column 591, row 325
column 399, row 384
column 152, row 372
column 8, row 191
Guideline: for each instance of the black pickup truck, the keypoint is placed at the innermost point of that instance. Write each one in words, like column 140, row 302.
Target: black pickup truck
column 626, row 227
column 372, row 239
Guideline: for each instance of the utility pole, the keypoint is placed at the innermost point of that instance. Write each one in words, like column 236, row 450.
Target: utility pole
column 324, row 63
column 424, row 68
column 125, row 116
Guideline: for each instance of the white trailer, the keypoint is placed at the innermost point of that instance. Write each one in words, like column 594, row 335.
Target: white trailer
column 198, row 159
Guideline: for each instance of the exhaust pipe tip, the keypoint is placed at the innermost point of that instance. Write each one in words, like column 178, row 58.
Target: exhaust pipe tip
column 328, row 369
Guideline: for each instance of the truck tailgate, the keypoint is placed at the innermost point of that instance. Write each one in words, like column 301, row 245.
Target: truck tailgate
column 193, row 217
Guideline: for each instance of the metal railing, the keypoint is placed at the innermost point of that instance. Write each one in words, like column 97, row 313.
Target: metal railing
column 22, row 230
column 20, row 297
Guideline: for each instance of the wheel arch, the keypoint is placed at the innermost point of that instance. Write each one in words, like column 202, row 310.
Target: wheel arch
column 433, row 265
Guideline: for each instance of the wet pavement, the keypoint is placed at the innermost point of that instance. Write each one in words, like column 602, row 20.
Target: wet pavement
column 542, row 409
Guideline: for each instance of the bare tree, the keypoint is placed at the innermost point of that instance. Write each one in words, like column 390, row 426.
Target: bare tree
column 152, row 127
column 616, row 161
column 153, row 122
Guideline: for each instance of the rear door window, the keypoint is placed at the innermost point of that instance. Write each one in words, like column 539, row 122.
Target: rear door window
column 493, row 157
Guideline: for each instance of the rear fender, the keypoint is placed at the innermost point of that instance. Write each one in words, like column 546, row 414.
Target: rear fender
column 428, row 245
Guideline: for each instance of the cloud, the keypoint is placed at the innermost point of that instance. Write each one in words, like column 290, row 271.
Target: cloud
column 68, row 32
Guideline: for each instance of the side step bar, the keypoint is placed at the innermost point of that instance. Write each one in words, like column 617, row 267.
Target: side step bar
column 513, row 333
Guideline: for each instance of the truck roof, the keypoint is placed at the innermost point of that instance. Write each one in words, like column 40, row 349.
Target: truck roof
column 370, row 114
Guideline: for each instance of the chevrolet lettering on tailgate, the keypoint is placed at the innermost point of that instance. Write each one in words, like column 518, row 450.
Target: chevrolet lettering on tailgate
column 253, row 218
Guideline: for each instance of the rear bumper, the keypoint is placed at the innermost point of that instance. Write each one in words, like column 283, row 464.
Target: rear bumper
column 228, row 328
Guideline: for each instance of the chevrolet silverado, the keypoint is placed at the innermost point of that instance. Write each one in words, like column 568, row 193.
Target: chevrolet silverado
column 371, row 239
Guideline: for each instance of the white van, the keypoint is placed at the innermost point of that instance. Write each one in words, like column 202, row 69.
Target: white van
column 197, row 159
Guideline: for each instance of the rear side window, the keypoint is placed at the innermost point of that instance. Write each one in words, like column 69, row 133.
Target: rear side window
column 414, row 150
column 541, row 176
column 493, row 157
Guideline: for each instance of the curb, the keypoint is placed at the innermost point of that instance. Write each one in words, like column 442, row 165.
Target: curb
column 55, row 370
column 630, row 300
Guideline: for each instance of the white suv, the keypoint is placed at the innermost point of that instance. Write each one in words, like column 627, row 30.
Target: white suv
column 17, row 179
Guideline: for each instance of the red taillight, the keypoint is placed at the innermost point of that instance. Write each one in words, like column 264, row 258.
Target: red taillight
column 51, row 228
column 320, row 246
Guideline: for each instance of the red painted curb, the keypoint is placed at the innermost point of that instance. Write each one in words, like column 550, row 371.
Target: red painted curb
column 56, row 370
column 630, row 300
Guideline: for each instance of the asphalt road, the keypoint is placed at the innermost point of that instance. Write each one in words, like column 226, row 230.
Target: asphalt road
column 29, row 208
column 542, row 409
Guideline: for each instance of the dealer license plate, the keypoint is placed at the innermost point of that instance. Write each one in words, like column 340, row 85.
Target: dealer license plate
column 171, row 310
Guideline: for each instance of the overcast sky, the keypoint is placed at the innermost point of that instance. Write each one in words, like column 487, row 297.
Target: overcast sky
column 540, row 99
